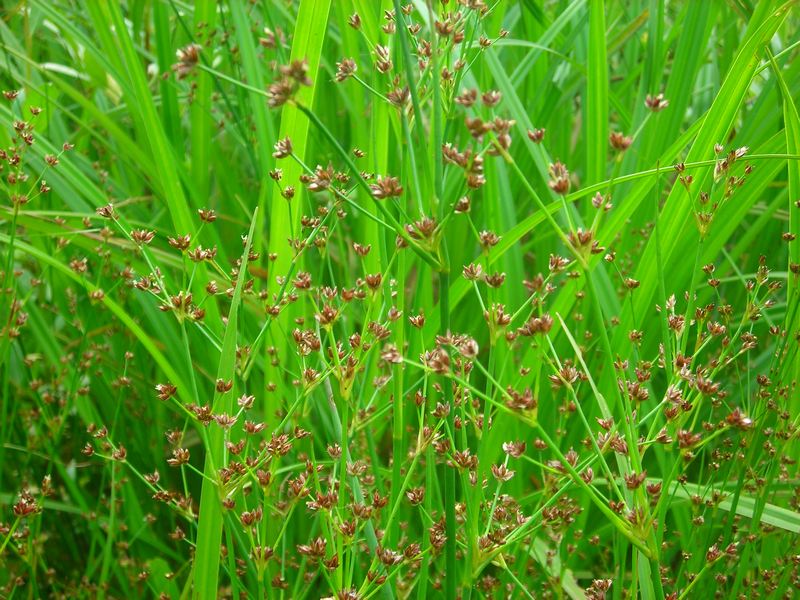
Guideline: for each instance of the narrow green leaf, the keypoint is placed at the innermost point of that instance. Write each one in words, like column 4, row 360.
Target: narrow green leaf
column 205, row 570
column 200, row 111
column 312, row 20
column 783, row 518
column 108, row 16
column 597, row 95
column 791, row 120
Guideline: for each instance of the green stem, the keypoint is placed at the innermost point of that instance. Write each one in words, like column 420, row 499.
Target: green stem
column 449, row 474
column 10, row 534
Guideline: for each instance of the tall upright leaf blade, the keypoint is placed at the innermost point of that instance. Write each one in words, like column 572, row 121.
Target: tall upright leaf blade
column 597, row 95
column 205, row 570
column 264, row 127
column 791, row 120
column 205, row 17
column 690, row 54
column 309, row 35
column 109, row 16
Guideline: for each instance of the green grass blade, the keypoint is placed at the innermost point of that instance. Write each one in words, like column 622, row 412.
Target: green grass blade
column 205, row 570
column 690, row 54
column 108, row 16
column 791, row 120
column 597, row 95
column 264, row 126
column 312, row 20
column 716, row 126
column 200, row 111
column 776, row 516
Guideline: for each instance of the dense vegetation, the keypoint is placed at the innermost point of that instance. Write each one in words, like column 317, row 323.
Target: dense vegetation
column 359, row 298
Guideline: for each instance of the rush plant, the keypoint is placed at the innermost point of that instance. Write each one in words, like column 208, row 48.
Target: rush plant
column 369, row 299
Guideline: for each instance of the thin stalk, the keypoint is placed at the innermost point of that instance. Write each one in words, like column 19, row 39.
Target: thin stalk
column 451, row 577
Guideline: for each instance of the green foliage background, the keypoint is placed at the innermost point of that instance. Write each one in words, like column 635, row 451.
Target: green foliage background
column 695, row 232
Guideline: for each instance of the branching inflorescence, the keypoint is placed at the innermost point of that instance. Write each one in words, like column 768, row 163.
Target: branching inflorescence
column 466, row 367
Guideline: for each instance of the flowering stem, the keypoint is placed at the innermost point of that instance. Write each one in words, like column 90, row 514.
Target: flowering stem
column 370, row 89
column 399, row 230
column 398, row 413
column 449, row 473
column 10, row 534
